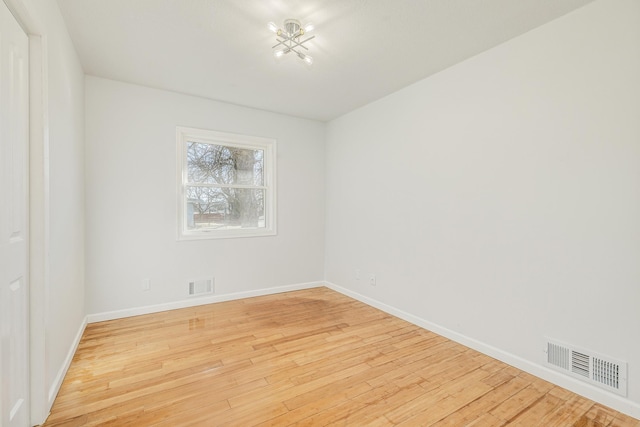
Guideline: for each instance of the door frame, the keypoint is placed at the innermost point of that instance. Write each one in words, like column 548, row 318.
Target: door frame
column 38, row 259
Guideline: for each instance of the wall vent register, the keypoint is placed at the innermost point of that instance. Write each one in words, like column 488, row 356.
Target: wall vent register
column 602, row 371
column 200, row 287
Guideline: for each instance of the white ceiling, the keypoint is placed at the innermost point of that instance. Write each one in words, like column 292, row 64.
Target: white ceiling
column 363, row 50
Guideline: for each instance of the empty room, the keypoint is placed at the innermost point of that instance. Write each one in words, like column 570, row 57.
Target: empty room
column 305, row 212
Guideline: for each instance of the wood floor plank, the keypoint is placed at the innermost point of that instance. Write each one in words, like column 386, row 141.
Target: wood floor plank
column 484, row 403
column 304, row 358
column 569, row 413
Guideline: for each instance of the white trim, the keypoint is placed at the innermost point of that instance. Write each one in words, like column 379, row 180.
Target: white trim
column 590, row 392
column 192, row 302
column 267, row 145
column 57, row 382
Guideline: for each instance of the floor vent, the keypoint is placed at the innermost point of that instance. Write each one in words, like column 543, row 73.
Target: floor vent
column 602, row 371
column 200, row 287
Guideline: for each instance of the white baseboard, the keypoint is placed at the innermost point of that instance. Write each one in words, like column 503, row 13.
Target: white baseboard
column 57, row 382
column 590, row 392
column 192, row 302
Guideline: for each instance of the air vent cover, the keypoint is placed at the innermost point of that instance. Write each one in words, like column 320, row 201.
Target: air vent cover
column 580, row 363
column 558, row 355
column 200, row 287
column 606, row 372
column 589, row 366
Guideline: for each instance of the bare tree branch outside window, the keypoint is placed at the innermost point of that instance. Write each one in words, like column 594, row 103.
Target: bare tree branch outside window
column 225, row 186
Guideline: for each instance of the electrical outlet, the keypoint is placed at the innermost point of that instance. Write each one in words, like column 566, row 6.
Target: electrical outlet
column 372, row 279
column 146, row 285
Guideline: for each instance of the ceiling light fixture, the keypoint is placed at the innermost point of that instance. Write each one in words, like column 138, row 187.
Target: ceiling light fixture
column 289, row 39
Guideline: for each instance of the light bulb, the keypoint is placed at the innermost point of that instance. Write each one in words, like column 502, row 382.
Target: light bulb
column 308, row 27
column 278, row 53
column 308, row 59
column 273, row 27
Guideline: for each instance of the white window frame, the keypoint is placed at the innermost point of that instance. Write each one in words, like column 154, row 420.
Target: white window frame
column 268, row 145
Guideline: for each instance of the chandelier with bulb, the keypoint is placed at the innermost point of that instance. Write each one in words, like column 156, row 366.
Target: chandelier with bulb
column 292, row 39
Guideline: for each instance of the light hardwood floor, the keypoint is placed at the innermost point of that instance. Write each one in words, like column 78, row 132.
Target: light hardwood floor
column 308, row 358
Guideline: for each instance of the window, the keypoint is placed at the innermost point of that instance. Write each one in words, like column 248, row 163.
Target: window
column 226, row 185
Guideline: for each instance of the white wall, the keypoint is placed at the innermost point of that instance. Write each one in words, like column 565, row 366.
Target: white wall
column 131, row 200
column 499, row 199
column 65, row 311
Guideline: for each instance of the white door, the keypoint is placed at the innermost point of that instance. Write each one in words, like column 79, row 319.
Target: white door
column 14, row 142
